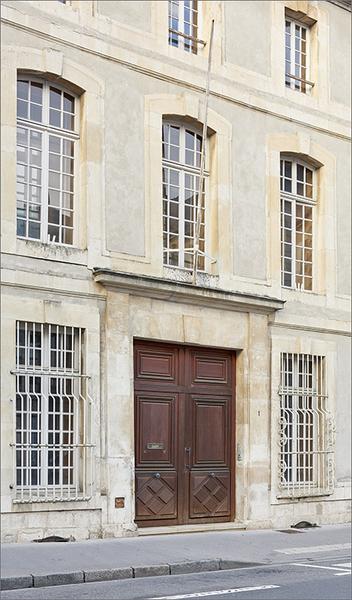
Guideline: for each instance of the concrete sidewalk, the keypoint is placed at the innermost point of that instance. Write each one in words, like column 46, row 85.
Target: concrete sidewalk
column 59, row 563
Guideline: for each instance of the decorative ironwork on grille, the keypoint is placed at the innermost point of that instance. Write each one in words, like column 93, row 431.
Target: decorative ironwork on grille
column 53, row 458
column 306, row 428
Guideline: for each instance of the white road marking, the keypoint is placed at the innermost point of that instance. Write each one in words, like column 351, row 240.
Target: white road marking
column 216, row 593
column 313, row 549
column 345, row 572
column 347, row 565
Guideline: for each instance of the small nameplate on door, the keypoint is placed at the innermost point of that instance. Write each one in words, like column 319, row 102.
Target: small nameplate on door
column 155, row 446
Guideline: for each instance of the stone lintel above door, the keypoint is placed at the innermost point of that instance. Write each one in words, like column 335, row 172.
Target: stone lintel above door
column 161, row 289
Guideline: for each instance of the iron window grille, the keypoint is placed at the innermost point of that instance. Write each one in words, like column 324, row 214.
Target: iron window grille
column 47, row 146
column 181, row 151
column 306, row 427
column 183, row 25
column 297, row 190
column 53, row 460
column 297, row 56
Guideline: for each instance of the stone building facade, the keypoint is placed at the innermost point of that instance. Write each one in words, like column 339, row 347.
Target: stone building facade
column 132, row 398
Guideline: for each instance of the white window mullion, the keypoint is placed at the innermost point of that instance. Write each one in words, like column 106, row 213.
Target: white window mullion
column 181, row 226
column 45, row 186
column 45, row 400
column 292, row 61
column 294, row 237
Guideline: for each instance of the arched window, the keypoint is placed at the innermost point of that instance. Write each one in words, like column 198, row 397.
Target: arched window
column 298, row 198
column 47, row 135
column 181, row 150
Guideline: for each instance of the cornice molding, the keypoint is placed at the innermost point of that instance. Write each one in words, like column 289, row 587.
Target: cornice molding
column 161, row 289
column 344, row 4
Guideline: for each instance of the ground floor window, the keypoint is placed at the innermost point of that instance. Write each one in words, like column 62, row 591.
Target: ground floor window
column 306, row 426
column 52, row 450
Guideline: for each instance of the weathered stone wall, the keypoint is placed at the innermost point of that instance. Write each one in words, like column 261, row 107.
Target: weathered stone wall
column 116, row 57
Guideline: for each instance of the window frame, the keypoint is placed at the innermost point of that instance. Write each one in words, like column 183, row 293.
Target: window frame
column 181, row 36
column 37, row 363
column 46, row 130
column 184, row 169
column 294, row 198
column 305, row 408
column 303, row 85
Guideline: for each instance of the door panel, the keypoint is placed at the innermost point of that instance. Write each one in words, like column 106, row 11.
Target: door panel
column 156, row 496
column 210, row 495
column 209, row 441
column 184, row 434
column 159, row 364
column 155, row 444
column 210, row 368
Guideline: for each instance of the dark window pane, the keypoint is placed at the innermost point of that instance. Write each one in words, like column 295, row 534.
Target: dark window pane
column 54, row 198
column 54, row 216
column 54, row 161
column 55, row 118
column 67, row 236
column 67, row 201
column 288, row 169
column 69, row 103
column 300, row 189
column 36, row 113
column 300, row 172
column 54, row 144
column 22, row 109
column 21, row 228
column 34, row 230
column 34, row 212
column 288, row 185
column 36, row 92
column 54, row 233
column 55, row 98
column 22, row 89
column 67, row 218
column 69, row 121
column 67, row 148
column 54, row 179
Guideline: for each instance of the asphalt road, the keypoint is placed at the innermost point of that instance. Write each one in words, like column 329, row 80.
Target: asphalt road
column 317, row 578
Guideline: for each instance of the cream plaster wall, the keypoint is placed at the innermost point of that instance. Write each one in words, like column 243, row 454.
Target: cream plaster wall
column 243, row 25
column 129, row 12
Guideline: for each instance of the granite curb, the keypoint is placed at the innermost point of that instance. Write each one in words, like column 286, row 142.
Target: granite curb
column 87, row 576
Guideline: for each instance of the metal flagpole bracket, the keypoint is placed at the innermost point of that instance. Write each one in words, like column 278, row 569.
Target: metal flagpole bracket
column 199, row 197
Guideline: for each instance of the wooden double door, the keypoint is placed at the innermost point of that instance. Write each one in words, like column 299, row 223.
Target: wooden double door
column 184, row 434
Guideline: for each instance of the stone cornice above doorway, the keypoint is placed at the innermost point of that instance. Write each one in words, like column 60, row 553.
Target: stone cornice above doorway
column 161, row 289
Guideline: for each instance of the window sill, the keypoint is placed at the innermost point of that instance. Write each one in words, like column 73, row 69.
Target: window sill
column 186, row 276
column 309, row 296
column 57, row 252
column 303, row 495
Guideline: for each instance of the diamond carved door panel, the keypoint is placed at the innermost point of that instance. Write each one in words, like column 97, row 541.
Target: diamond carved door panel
column 184, row 434
column 156, row 496
column 210, row 495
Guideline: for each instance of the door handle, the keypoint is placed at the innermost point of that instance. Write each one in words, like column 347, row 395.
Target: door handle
column 156, row 475
column 188, row 459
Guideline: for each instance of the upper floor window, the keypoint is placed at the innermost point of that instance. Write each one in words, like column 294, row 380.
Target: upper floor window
column 297, row 209
column 181, row 150
column 296, row 56
column 183, row 24
column 47, row 138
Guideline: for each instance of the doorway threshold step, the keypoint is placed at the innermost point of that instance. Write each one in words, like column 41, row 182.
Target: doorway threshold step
column 199, row 527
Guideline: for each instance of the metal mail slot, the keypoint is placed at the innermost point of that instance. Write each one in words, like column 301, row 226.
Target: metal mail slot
column 155, row 446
